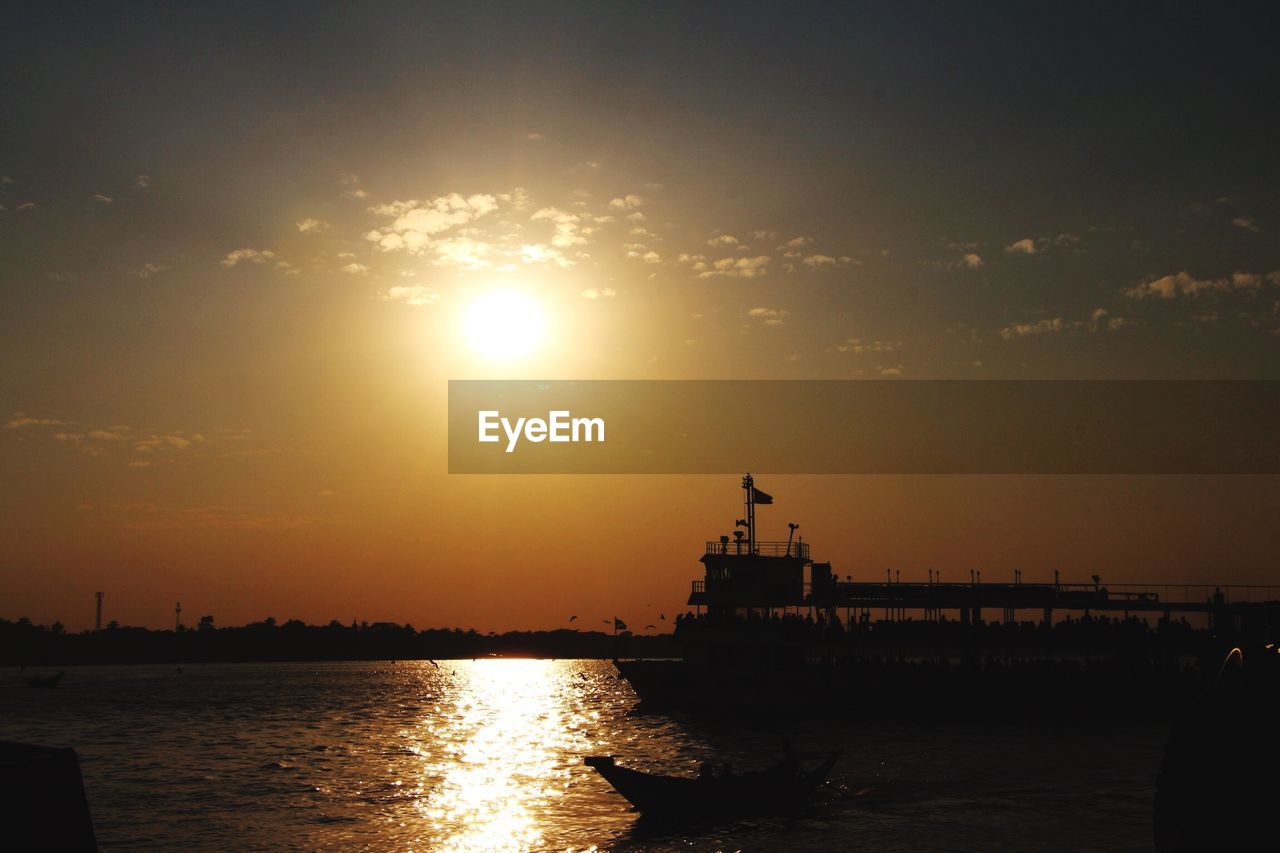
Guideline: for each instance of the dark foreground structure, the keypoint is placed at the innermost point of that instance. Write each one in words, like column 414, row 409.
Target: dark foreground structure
column 773, row 629
column 42, row 799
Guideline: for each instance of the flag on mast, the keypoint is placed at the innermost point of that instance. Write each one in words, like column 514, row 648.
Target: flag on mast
column 760, row 497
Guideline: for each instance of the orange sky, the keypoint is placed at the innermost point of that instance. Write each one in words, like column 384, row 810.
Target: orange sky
column 236, row 279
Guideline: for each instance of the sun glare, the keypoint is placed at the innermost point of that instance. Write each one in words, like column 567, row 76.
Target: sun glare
column 503, row 324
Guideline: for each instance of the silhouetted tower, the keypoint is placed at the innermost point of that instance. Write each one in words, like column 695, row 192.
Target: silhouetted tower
column 97, row 620
column 177, row 616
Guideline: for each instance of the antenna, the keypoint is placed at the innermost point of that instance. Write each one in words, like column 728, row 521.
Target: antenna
column 177, row 616
column 792, row 527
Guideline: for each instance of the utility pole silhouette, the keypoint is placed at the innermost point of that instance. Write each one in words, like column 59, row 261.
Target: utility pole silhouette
column 97, row 620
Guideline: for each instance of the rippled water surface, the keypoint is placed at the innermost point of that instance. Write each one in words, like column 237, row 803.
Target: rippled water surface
column 476, row 755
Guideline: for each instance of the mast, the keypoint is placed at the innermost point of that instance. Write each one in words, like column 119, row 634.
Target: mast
column 748, row 487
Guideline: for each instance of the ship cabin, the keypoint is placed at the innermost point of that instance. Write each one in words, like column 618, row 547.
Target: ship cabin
column 746, row 575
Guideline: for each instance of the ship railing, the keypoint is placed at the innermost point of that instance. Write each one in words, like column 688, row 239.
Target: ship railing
column 762, row 549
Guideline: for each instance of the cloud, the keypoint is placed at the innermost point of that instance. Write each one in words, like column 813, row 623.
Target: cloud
column 254, row 256
column 356, row 269
column 769, row 316
column 142, row 182
column 626, row 202
column 857, row 346
column 598, row 293
column 640, row 252
column 312, row 226
column 100, row 199
column 1185, row 284
column 796, row 243
column 815, row 261
column 1040, row 327
column 535, row 137
column 1025, row 246
column 162, row 442
column 352, row 183
column 724, row 240
column 20, row 421
column 538, row 253
column 569, row 229
column 756, row 267
column 972, row 260
column 1101, row 320
column 27, row 205
column 411, row 294
column 414, row 227
column 1248, row 223
column 891, row 371
column 148, row 270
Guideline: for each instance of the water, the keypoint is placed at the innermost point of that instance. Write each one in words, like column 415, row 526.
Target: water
column 479, row 755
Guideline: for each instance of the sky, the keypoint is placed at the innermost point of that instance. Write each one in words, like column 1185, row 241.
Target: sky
column 243, row 250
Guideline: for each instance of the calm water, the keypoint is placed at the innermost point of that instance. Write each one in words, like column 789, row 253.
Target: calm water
column 488, row 755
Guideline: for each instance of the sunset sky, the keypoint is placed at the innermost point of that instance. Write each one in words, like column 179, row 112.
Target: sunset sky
column 243, row 250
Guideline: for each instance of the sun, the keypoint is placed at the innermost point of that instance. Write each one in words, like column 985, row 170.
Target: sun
column 503, row 325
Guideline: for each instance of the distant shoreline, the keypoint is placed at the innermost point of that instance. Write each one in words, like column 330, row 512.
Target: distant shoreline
column 24, row 644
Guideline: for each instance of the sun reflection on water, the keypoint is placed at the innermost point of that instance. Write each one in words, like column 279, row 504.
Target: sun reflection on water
column 501, row 754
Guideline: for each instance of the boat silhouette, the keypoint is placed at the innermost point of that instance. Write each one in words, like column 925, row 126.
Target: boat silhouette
column 47, row 682
column 780, row 788
column 771, row 629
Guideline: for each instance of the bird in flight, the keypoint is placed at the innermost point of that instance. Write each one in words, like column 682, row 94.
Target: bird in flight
column 572, row 618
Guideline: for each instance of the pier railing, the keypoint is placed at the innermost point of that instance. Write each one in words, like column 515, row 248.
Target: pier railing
column 1066, row 596
column 762, row 549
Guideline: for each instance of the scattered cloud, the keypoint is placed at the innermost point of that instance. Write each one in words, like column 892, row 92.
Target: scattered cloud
column 1185, row 284
column 725, row 241
column 148, row 270
column 815, row 261
column 411, row 294
column 1100, row 320
column 142, row 182
column 436, row 229
column 972, row 260
column 27, row 205
column 768, row 316
column 253, row 256
column 1040, row 327
column 857, row 346
column 312, row 226
column 626, row 202
column 1248, row 223
column 1034, row 246
column 756, row 267
column 599, row 293
column 102, row 200
column 569, row 228
column 535, row 137
column 19, row 421
column 354, row 268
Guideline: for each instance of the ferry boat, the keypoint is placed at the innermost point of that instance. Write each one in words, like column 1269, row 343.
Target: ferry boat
column 772, row 628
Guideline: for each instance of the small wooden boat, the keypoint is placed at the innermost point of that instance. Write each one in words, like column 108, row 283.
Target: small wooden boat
column 45, row 681
column 778, row 789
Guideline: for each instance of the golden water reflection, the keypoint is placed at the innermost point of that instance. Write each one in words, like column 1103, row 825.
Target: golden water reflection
column 499, row 750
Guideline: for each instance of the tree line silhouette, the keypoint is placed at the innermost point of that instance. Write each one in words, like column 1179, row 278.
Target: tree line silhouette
column 23, row 643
